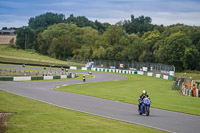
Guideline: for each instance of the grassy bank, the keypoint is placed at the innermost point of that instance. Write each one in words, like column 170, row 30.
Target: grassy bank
column 129, row 89
column 31, row 116
column 8, row 54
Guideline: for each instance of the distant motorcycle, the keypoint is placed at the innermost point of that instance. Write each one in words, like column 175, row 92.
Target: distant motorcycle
column 145, row 107
column 83, row 78
column 90, row 73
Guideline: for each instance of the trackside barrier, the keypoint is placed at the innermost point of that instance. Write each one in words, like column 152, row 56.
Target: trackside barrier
column 158, row 75
column 73, row 75
column 21, row 78
column 56, row 77
column 149, row 74
column 93, row 69
column 140, row 72
column 48, row 77
column 185, row 86
column 166, row 77
column 171, row 78
column 28, row 78
column 6, row 78
column 73, row 67
column 197, row 92
column 36, row 78
column 186, row 91
column 63, row 76
column 84, row 68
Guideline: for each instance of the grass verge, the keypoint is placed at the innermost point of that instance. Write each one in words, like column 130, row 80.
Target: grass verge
column 194, row 75
column 128, row 90
column 35, row 117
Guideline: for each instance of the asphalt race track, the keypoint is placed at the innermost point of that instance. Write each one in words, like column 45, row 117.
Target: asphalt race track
column 160, row 119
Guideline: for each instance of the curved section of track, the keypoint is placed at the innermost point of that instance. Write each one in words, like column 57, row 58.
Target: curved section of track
column 160, row 119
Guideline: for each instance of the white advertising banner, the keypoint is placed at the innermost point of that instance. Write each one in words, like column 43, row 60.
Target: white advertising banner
column 48, row 77
column 149, row 74
column 165, row 77
column 21, row 78
column 63, row 76
column 73, row 67
column 157, row 75
column 84, row 68
column 140, row 72
column 171, row 73
column 144, row 69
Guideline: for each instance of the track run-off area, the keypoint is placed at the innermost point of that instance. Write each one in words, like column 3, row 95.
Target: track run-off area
column 42, row 91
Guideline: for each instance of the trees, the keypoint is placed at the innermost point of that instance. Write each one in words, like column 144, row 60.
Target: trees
column 135, row 49
column 150, row 39
column 4, row 28
column 83, row 53
column 141, row 24
column 112, row 43
column 63, row 46
column 25, row 37
column 191, row 58
column 174, row 50
column 59, row 40
column 45, row 20
column 82, row 21
column 133, row 40
column 67, row 40
column 90, row 36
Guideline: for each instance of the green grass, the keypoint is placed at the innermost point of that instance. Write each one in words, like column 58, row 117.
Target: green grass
column 29, row 56
column 195, row 76
column 31, row 116
column 128, row 90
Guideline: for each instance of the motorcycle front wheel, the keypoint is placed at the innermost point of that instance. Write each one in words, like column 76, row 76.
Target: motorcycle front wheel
column 147, row 111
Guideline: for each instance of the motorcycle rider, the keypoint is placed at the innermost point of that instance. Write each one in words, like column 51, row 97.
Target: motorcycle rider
column 141, row 97
column 83, row 78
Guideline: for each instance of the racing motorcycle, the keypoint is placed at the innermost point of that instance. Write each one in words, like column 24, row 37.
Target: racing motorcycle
column 83, row 78
column 145, row 107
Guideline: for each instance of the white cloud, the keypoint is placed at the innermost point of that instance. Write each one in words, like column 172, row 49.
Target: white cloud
column 13, row 21
column 168, row 18
column 165, row 18
column 165, row 12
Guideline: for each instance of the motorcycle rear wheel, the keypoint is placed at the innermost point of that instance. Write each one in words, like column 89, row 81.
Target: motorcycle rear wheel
column 139, row 112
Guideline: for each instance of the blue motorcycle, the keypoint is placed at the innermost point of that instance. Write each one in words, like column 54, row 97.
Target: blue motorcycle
column 145, row 107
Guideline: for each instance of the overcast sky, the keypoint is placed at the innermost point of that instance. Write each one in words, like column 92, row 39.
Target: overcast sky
column 16, row 13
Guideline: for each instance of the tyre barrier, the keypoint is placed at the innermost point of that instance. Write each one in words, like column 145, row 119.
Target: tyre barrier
column 162, row 76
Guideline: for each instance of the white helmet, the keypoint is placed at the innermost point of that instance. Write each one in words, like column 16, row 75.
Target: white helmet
column 144, row 92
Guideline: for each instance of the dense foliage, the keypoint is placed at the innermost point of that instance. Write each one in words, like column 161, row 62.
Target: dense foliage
column 130, row 40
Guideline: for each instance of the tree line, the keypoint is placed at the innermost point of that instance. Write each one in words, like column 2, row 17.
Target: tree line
column 136, row 39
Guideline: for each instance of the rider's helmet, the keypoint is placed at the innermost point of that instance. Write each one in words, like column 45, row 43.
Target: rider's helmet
column 144, row 92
